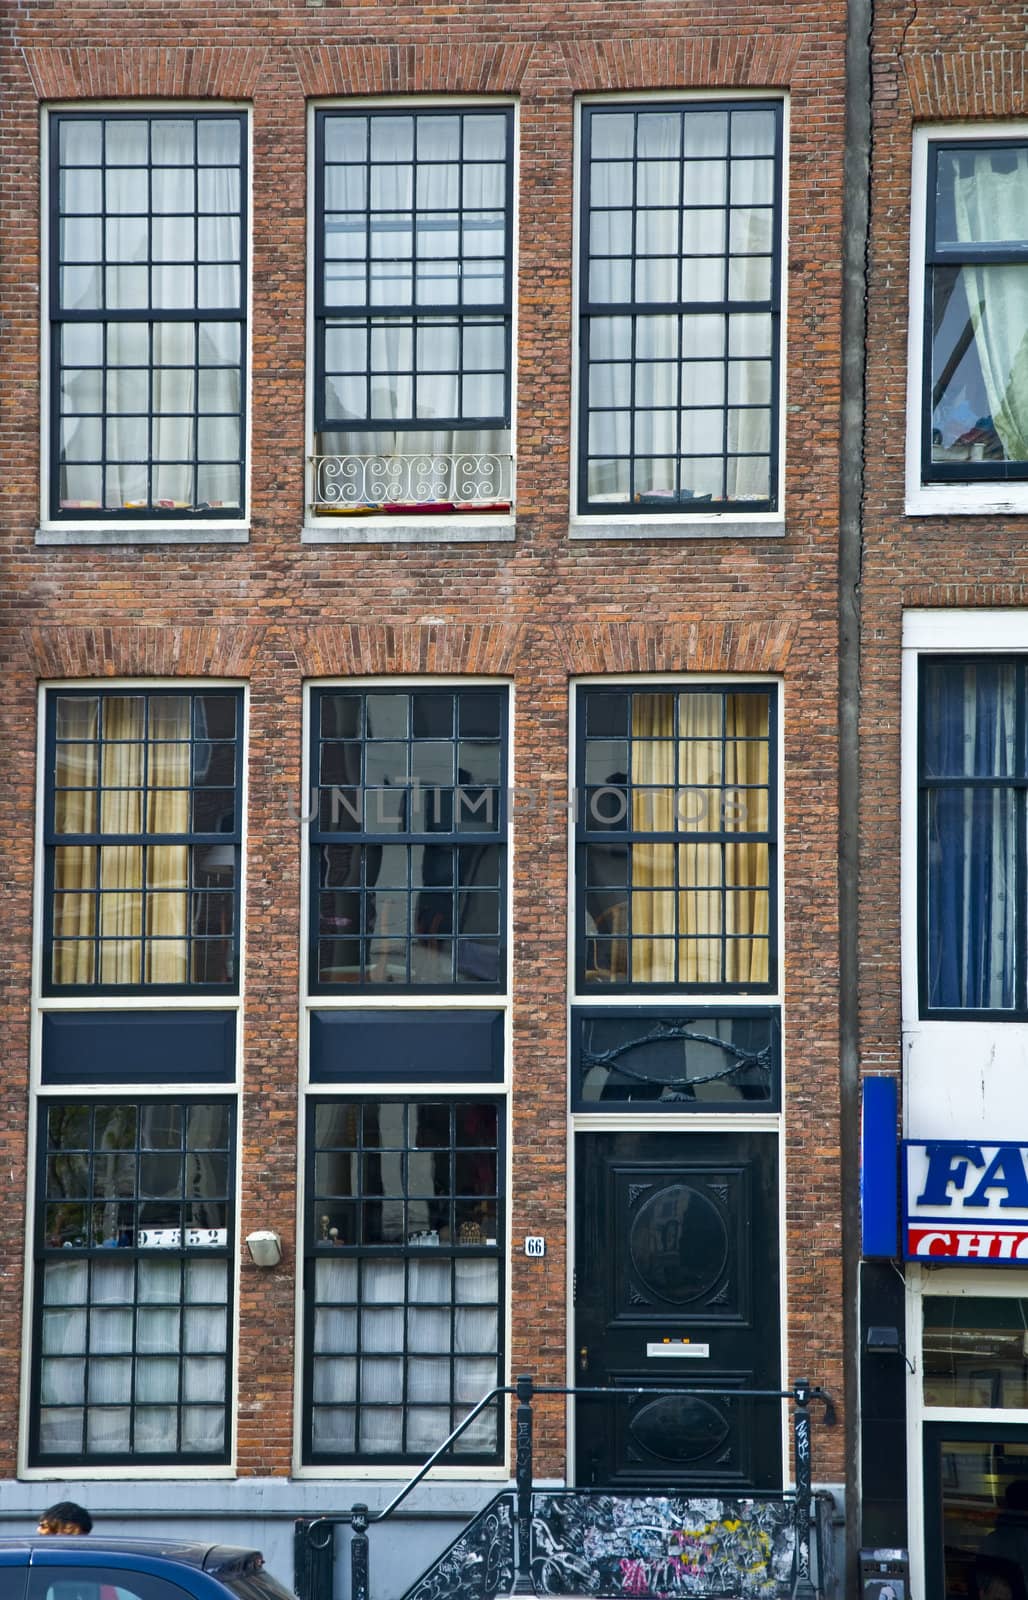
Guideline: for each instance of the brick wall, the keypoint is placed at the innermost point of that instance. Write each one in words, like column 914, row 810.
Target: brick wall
column 926, row 69
column 538, row 610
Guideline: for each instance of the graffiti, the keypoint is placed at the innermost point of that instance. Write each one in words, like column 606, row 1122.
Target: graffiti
column 663, row 1547
column 477, row 1566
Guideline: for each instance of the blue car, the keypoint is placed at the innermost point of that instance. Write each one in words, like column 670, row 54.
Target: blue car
column 90, row 1567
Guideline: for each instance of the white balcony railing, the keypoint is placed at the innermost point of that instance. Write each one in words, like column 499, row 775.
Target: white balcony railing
column 469, row 482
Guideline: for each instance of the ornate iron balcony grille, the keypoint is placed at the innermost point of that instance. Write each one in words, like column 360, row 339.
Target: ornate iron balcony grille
column 424, row 482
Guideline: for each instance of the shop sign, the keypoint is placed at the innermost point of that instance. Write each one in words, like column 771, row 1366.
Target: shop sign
column 965, row 1201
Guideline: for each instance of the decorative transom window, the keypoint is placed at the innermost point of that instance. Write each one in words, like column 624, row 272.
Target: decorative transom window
column 147, row 295
column 974, row 413
column 973, row 783
column 680, row 303
column 408, row 840
column 133, row 1247
column 676, row 836
column 142, row 834
column 404, row 1220
column 413, row 311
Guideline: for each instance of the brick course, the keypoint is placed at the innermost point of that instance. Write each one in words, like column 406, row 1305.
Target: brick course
column 538, row 611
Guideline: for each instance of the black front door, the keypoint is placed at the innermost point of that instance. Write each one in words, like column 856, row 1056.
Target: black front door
column 676, row 1282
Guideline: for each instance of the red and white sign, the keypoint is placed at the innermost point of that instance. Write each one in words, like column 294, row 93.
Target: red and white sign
column 965, row 1201
column 940, row 1244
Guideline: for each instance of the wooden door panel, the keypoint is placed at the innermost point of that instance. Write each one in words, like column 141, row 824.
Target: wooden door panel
column 677, row 1282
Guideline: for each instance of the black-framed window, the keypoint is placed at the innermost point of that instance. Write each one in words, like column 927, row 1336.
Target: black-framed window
column 676, row 833
column 147, row 293
column 680, row 302
column 408, row 840
column 413, row 303
column 675, row 1060
column 972, row 877
column 143, row 818
column 404, row 1277
column 132, row 1354
column 974, row 423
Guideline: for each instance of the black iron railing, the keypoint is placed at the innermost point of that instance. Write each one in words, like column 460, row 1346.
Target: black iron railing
column 317, row 1535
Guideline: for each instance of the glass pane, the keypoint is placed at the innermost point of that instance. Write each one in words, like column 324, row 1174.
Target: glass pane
column 975, row 1351
column 984, row 1532
column 971, row 898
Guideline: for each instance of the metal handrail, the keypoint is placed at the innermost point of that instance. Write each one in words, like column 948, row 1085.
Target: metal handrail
column 361, row 1517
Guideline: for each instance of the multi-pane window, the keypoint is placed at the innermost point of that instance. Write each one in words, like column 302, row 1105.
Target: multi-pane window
column 148, row 314
column 404, row 1223
column 413, row 310
column 133, row 1271
column 973, row 783
column 676, row 835
column 975, row 377
column 680, row 302
column 408, row 843
column 142, row 830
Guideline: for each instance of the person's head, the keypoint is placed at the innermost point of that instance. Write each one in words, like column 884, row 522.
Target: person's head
column 65, row 1517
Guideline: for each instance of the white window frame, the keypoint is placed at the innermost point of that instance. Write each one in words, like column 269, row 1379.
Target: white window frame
column 468, row 528
column 403, row 998
column 139, row 1002
column 679, row 525
column 944, row 499
column 144, row 530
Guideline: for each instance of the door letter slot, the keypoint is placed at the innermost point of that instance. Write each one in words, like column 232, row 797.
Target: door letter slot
column 679, row 1348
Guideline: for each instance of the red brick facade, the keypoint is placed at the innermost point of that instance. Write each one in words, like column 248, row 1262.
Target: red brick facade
column 537, row 612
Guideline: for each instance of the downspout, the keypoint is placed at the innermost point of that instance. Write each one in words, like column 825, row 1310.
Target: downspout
column 855, row 252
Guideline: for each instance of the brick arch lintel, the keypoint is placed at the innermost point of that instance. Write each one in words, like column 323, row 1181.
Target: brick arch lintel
column 962, row 84
column 748, row 60
column 491, row 648
column 185, row 72
column 143, row 651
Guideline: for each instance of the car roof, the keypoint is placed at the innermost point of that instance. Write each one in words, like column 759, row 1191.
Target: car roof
column 188, row 1552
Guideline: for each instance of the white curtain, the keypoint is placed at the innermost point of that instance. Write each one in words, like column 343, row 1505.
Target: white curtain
column 990, row 199
column 397, row 349
column 680, row 254
column 153, row 465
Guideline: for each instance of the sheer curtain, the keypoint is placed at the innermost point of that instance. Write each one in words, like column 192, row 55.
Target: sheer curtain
column 700, row 781
column 126, row 756
column 990, row 198
column 969, row 720
column 415, row 367
column 162, row 391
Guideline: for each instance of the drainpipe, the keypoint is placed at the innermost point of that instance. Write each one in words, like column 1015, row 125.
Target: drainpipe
column 856, row 208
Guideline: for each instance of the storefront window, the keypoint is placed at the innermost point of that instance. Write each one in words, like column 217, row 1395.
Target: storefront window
column 975, row 1351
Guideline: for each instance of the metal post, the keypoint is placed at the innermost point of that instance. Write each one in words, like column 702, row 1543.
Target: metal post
column 313, row 1559
column 802, row 1586
column 523, row 1477
column 359, row 1589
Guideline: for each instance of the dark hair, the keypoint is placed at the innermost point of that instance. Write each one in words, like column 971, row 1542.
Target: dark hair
column 68, row 1511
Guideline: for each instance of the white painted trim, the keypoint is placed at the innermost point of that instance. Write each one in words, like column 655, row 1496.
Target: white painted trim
column 925, row 632
column 398, row 1000
column 627, row 1120
column 499, row 528
column 712, row 525
column 204, row 530
column 943, row 499
column 100, row 1003
column 1011, row 1283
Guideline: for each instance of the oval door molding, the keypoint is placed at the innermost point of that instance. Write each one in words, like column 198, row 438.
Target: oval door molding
column 679, row 1428
column 678, row 1244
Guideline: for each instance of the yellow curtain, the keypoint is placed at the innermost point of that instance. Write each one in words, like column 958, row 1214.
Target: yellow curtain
column 713, row 777
column 700, row 777
column 747, row 874
column 167, row 867
column 75, row 864
column 653, row 865
column 119, row 874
